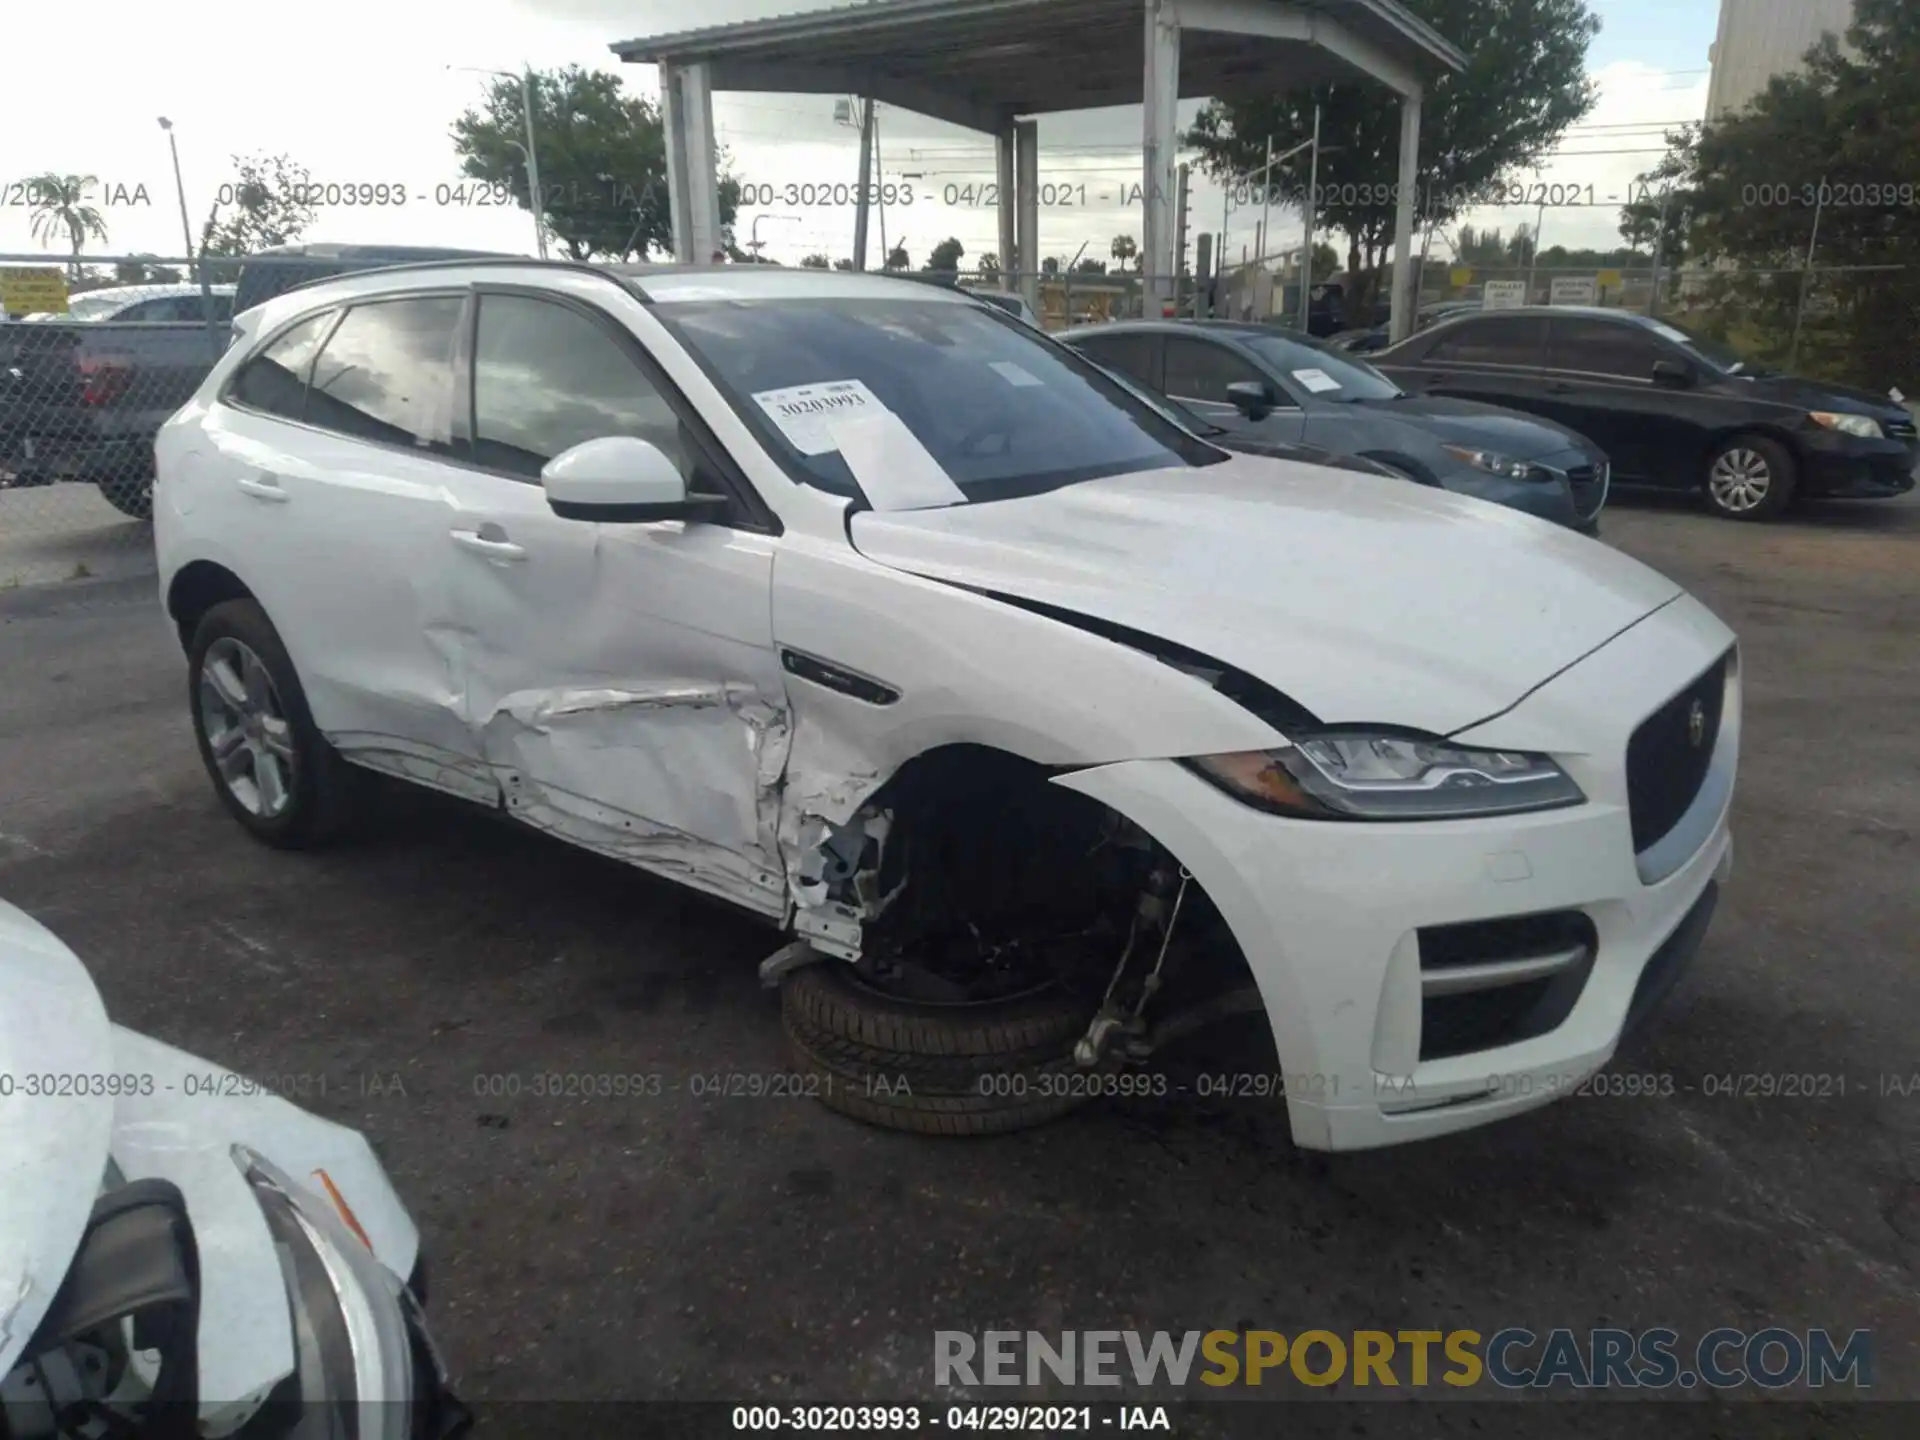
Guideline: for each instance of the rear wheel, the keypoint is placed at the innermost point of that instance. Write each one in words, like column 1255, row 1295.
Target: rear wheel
column 1750, row 477
column 939, row 1069
column 271, row 767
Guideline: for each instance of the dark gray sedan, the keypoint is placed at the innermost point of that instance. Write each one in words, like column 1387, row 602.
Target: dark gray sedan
column 1262, row 385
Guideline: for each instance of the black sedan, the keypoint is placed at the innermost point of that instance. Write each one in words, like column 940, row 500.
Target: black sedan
column 1264, row 386
column 1673, row 409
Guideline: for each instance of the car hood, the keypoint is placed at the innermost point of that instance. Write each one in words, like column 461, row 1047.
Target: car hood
column 53, row 1147
column 1363, row 598
column 1485, row 427
column 1820, row 395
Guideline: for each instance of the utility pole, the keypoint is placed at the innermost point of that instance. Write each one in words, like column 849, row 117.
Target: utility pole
column 1806, row 276
column 1266, row 205
column 866, row 186
column 1533, row 250
column 1306, row 249
column 534, row 192
column 1180, row 233
column 1659, row 251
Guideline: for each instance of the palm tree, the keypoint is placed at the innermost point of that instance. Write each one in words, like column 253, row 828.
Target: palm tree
column 60, row 210
column 1124, row 249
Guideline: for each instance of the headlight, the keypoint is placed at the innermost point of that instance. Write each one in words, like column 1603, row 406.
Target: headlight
column 1383, row 775
column 1863, row 426
column 1490, row 462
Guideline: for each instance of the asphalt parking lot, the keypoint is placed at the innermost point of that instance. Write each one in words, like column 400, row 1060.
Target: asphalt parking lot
column 705, row 1248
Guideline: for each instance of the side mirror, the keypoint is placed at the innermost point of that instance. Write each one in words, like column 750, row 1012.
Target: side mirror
column 1672, row 373
column 621, row 480
column 1251, row 398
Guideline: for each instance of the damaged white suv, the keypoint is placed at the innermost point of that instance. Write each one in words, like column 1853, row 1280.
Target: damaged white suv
column 1047, row 730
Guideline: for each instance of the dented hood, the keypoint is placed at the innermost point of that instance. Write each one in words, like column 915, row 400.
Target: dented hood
column 1364, row 598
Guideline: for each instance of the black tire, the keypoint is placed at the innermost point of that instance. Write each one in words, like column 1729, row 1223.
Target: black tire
column 130, row 494
column 323, row 798
column 1779, row 474
column 933, row 1069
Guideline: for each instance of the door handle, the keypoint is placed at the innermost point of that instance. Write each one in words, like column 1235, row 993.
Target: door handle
column 502, row 550
column 262, row 487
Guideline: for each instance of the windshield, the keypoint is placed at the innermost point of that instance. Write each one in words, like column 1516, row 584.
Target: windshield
column 996, row 406
column 1720, row 357
column 1329, row 374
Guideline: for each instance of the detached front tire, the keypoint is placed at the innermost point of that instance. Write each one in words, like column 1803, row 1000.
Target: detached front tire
column 933, row 1069
column 1750, row 477
column 270, row 766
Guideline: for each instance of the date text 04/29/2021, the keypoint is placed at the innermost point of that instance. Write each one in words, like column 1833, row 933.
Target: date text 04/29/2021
column 909, row 1419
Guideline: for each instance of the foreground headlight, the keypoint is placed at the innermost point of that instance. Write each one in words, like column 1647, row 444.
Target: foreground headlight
column 1381, row 775
column 1490, row 462
column 1863, row 426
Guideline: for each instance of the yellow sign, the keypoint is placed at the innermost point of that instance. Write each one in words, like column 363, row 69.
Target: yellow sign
column 1609, row 279
column 1461, row 277
column 31, row 289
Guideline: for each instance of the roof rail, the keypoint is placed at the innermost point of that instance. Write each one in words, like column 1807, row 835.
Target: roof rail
column 478, row 262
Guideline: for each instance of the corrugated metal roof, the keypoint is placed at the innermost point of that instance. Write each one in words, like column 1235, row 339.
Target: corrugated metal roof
column 868, row 15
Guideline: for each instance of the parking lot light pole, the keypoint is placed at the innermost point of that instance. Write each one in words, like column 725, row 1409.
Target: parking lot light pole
column 529, row 151
column 179, row 189
column 215, row 343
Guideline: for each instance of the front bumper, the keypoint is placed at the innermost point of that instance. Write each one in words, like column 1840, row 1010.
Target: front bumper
column 1552, row 493
column 1845, row 467
column 1330, row 916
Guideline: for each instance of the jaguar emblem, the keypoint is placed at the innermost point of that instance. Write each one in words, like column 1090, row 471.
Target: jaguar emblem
column 1697, row 725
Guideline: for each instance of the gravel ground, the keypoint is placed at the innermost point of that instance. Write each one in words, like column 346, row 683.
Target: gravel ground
column 684, row 1246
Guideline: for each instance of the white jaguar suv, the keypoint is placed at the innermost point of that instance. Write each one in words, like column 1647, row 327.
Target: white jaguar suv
column 1045, row 730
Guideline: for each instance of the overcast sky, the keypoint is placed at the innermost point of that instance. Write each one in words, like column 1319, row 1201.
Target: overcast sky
column 360, row 91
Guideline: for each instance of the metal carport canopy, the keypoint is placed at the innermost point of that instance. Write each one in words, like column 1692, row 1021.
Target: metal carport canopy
column 984, row 63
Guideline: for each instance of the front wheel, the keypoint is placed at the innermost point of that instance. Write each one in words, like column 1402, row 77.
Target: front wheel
column 271, row 767
column 1750, row 477
column 964, row 1069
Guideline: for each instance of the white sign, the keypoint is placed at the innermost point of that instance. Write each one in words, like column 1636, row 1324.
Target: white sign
column 1503, row 295
column 803, row 411
column 1317, row 381
column 1575, row 290
column 890, row 465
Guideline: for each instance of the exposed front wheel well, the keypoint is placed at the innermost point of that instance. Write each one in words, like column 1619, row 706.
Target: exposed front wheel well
column 199, row 587
column 985, row 877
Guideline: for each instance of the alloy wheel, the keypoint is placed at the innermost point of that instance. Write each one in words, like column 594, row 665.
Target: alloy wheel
column 246, row 728
column 1740, row 479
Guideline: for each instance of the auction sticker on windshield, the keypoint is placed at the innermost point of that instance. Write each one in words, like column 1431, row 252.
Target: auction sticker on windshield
column 1016, row 375
column 1318, row 381
column 803, row 411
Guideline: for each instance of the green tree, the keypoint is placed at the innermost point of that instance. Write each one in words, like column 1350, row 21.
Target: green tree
column 1748, row 186
column 946, row 257
column 815, row 262
column 1524, row 83
column 989, row 266
column 1123, row 249
column 603, row 162
column 271, row 203
column 1090, row 266
column 1051, row 266
column 843, row 265
column 898, row 259
column 59, row 211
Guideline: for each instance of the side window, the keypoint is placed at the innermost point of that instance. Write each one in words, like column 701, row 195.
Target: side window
column 1496, row 340
column 546, row 378
column 1201, row 370
column 1598, row 347
column 387, row 373
column 146, row 310
column 1131, row 355
column 275, row 380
